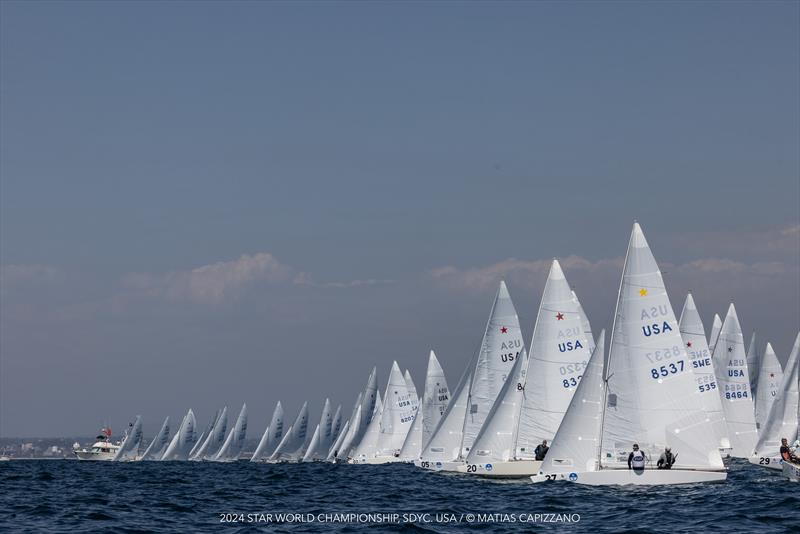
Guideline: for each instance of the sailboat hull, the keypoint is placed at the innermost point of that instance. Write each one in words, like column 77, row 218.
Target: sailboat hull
column 375, row 461
column 770, row 462
column 791, row 471
column 513, row 469
column 629, row 477
column 439, row 465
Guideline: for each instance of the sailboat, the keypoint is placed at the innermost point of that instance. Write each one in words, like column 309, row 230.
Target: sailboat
column 478, row 388
column 317, row 448
column 334, row 450
column 783, row 418
column 651, row 397
column 214, row 439
column 560, row 350
column 129, row 448
column 234, row 443
column 272, row 436
column 730, row 363
column 183, row 441
column 203, row 435
column 694, row 339
column 156, row 449
column 359, row 424
column 336, row 429
column 346, row 434
column 716, row 326
column 292, row 446
column 369, row 442
column 398, row 412
column 769, row 380
column 435, row 398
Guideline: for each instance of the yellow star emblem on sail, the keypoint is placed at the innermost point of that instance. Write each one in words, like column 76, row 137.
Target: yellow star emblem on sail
column 643, row 292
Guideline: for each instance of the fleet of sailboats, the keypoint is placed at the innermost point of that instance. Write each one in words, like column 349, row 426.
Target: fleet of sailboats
column 660, row 384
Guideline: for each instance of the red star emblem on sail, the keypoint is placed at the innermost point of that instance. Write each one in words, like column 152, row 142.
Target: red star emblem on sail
column 689, row 344
column 559, row 316
column 504, row 330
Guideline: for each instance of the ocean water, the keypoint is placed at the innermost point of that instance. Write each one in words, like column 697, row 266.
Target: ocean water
column 71, row 496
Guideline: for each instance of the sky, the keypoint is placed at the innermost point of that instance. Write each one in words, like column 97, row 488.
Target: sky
column 204, row 204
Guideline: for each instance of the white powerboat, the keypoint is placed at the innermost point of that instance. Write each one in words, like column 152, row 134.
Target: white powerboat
column 102, row 450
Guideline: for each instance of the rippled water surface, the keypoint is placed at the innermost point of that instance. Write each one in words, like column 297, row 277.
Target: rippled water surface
column 71, row 496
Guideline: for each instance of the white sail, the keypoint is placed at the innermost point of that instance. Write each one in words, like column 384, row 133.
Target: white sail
column 272, row 436
column 412, row 391
column 444, row 444
column 291, row 447
column 435, row 398
column 753, row 365
column 784, row 415
column 336, row 429
column 716, row 326
column 156, row 449
column 367, row 447
column 214, row 439
column 201, row 441
column 234, row 443
column 652, row 395
column 334, row 450
column 397, row 415
column 133, row 440
column 496, row 441
column 501, row 345
column 318, row 446
column 770, row 376
column 730, row 362
column 184, row 439
column 694, row 338
column 587, row 327
column 347, row 435
column 576, row 444
column 560, row 350
column 367, row 411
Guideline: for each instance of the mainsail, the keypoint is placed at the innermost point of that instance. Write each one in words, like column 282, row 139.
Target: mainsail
column 345, row 439
column 576, row 444
column 318, row 446
column 769, row 380
column 784, row 415
column 234, row 443
column 214, row 439
column 272, row 436
column 435, row 398
column 560, row 350
column 156, row 449
column 397, row 415
column 652, row 396
column 730, row 362
column 184, row 439
column 368, row 445
column 716, row 326
column 501, row 346
column 293, row 443
column 587, row 327
column 694, row 338
column 496, row 441
column 133, row 440
column 412, row 390
column 753, row 365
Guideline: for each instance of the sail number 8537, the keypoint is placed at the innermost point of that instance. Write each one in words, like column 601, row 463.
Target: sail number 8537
column 666, row 370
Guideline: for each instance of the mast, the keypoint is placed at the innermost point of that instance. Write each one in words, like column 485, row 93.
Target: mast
column 607, row 359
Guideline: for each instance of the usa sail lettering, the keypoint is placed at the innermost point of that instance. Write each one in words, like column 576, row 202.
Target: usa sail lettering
column 443, row 394
column 569, row 332
column 656, row 329
column 666, row 370
column 570, row 346
column 509, row 356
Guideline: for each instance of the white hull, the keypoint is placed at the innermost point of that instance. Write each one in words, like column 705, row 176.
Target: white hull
column 375, row 461
column 770, row 462
column 791, row 471
column 438, row 465
column 627, row 477
column 511, row 469
column 95, row 456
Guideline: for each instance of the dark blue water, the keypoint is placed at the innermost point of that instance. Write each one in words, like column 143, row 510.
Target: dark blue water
column 71, row 496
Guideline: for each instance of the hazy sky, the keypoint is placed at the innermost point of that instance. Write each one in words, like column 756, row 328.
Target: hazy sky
column 204, row 203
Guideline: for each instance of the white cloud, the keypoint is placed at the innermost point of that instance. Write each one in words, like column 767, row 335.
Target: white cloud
column 213, row 282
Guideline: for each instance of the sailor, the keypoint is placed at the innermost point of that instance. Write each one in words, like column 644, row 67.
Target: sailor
column 636, row 459
column 666, row 460
column 541, row 451
column 786, row 452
